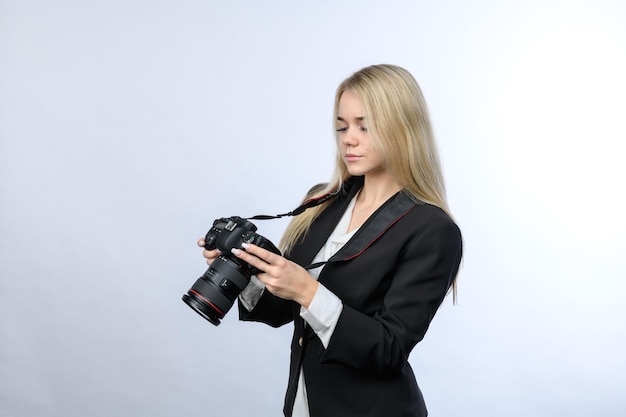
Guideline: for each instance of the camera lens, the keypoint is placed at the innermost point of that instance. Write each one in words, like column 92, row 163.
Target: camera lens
column 214, row 293
column 203, row 307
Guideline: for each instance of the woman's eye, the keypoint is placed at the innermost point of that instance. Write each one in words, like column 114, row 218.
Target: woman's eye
column 342, row 129
column 364, row 128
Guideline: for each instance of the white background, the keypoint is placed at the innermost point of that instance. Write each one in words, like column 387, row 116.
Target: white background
column 126, row 127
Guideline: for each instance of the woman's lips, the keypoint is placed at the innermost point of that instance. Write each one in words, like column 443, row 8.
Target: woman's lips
column 351, row 157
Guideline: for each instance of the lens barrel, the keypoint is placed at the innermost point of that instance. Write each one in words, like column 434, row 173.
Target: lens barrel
column 215, row 292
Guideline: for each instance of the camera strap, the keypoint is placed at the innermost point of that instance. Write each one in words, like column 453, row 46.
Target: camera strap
column 312, row 202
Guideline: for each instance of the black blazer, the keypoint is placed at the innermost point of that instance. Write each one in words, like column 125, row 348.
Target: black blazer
column 390, row 293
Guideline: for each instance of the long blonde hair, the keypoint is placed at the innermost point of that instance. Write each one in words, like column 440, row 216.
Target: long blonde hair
column 398, row 119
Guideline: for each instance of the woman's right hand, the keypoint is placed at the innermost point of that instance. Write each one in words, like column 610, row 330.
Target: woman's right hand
column 210, row 255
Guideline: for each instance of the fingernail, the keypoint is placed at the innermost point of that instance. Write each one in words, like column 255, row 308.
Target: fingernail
column 235, row 251
column 245, row 245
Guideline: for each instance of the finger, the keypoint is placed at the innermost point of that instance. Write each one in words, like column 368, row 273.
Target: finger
column 211, row 253
column 267, row 256
column 201, row 242
column 250, row 259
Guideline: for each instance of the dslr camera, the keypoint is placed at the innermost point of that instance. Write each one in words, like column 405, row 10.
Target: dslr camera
column 214, row 293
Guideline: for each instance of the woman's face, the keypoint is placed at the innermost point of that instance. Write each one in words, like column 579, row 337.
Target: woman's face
column 354, row 140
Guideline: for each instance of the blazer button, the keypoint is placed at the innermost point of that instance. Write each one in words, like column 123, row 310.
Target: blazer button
column 300, row 342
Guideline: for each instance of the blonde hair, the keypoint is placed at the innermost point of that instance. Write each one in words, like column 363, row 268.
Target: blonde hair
column 398, row 119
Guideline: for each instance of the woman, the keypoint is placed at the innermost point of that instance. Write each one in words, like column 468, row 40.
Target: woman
column 384, row 254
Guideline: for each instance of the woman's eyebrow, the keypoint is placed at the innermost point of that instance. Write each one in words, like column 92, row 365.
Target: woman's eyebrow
column 360, row 118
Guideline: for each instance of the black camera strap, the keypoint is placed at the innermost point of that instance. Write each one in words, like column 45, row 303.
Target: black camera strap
column 312, row 202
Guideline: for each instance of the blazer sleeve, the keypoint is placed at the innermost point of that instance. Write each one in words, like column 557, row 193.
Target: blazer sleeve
column 270, row 309
column 381, row 343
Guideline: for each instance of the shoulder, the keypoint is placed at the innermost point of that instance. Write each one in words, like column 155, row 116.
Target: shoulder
column 430, row 212
column 346, row 188
column 316, row 189
column 430, row 219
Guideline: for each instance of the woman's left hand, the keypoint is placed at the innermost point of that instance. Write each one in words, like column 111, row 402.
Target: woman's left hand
column 282, row 277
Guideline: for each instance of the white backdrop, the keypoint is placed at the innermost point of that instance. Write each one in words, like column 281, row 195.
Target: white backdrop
column 126, row 127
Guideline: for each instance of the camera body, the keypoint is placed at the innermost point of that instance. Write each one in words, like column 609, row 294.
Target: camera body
column 215, row 292
column 230, row 232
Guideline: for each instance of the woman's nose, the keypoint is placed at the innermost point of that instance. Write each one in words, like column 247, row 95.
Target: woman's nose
column 349, row 137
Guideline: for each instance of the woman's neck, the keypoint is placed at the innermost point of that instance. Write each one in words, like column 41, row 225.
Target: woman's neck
column 377, row 189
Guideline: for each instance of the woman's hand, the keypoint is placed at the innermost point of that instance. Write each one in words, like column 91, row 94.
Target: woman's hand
column 282, row 277
column 210, row 255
